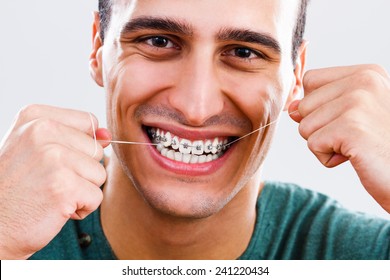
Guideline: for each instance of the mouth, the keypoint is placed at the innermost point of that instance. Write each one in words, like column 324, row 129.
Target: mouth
column 188, row 151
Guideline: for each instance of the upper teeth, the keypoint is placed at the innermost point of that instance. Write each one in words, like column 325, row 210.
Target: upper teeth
column 185, row 146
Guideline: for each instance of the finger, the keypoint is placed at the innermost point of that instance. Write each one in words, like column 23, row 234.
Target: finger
column 58, row 157
column 317, row 78
column 69, row 117
column 294, row 112
column 85, row 167
column 41, row 132
column 323, row 115
column 327, row 144
column 104, row 137
column 366, row 82
column 89, row 199
column 328, row 93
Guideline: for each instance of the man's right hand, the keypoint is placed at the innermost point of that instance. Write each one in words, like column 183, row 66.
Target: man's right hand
column 48, row 175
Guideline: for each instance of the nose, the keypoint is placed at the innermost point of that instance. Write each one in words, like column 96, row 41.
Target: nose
column 198, row 94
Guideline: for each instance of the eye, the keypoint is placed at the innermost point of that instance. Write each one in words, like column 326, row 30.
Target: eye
column 160, row 42
column 244, row 53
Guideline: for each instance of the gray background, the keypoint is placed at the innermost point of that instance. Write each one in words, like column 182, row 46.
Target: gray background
column 44, row 49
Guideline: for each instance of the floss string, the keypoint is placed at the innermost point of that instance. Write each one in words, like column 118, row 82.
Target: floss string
column 154, row 144
column 94, row 135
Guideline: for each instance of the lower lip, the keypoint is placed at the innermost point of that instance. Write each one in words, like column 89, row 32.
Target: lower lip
column 199, row 169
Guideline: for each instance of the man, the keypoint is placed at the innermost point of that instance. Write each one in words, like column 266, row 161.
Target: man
column 192, row 76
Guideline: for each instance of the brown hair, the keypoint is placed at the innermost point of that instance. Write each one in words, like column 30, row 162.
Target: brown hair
column 299, row 29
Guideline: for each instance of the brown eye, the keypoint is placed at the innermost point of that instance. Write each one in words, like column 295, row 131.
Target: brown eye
column 244, row 53
column 160, row 42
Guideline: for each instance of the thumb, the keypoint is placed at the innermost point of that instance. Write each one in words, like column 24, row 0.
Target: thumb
column 293, row 111
column 103, row 136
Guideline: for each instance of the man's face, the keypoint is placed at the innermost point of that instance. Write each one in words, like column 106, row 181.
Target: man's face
column 196, row 74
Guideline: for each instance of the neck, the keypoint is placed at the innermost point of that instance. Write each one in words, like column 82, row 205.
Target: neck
column 135, row 230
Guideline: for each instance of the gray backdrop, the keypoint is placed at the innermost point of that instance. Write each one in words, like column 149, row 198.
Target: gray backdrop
column 45, row 44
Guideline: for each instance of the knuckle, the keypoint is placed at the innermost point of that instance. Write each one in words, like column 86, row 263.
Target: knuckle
column 378, row 69
column 368, row 79
column 355, row 123
column 312, row 144
column 304, row 129
column 101, row 175
column 98, row 199
column 29, row 109
column 38, row 131
column 28, row 112
column 45, row 125
column 356, row 99
column 58, row 184
column 55, row 155
column 304, row 107
column 308, row 79
column 42, row 127
column 99, row 153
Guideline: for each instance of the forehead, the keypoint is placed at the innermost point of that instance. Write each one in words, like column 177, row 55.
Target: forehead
column 207, row 17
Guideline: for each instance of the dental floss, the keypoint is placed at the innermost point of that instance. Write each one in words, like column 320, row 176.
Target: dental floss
column 94, row 135
column 132, row 143
column 154, row 144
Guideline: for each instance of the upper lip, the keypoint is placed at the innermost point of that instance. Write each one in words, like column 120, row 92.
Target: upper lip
column 191, row 134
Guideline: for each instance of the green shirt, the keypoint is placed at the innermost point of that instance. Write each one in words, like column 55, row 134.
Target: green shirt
column 292, row 223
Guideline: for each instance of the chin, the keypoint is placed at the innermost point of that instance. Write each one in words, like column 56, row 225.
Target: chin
column 187, row 205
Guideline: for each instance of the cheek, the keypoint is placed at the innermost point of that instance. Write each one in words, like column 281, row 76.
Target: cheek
column 258, row 97
column 135, row 79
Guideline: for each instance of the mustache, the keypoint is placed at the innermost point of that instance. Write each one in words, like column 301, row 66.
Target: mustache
column 169, row 114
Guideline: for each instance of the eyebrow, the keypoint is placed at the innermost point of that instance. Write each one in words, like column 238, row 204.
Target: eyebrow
column 156, row 23
column 249, row 36
column 183, row 28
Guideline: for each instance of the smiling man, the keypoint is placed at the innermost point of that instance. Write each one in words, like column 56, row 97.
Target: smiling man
column 189, row 78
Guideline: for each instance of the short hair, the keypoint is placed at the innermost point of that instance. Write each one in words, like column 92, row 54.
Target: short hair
column 105, row 9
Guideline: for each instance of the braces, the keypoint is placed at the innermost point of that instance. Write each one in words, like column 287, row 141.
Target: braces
column 224, row 146
column 158, row 139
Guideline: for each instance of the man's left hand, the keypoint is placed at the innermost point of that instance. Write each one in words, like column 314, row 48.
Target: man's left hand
column 345, row 115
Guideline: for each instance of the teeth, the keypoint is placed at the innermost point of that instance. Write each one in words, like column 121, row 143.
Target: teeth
column 197, row 147
column 157, row 137
column 208, row 146
column 202, row 159
column 178, row 156
column 175, row 143
column 167, row 140
column 160, row 147
column 194, row 159
column 183, row 150
column 185, row 146
column 219, row 147
column 224, row 144
column 186, row 158
column 153, row 133
column 164, row 152
column 214, row 150
column 171, row 154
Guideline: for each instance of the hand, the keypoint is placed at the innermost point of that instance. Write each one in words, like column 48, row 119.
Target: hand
column 47, row 176
column 345, row 115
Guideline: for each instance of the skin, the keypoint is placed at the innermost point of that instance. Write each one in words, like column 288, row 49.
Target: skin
column 153, row 212
column 183, row 215
column 344, row 117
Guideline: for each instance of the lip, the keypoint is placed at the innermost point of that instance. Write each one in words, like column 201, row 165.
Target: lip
column 181, row 168
column 190, row 134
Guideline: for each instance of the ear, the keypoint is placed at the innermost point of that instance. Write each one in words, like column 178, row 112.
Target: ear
column 95, row 59
column 297, row 86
